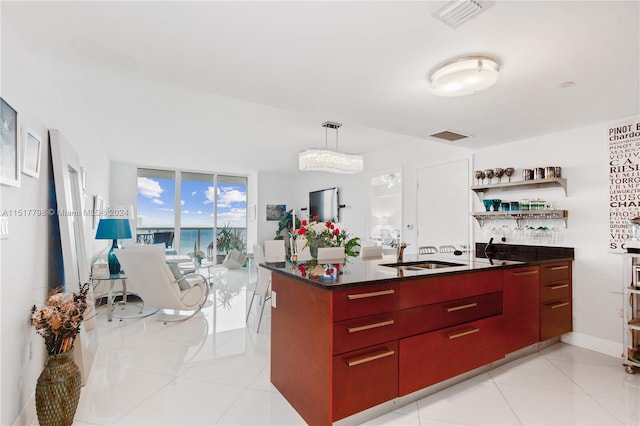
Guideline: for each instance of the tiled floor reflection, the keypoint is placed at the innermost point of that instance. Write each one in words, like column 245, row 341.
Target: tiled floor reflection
column 214, row 370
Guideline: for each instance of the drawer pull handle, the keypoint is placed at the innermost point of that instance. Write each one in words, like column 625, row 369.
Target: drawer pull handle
column 463, row 333
column 370, row 326
column 519, row 274
column 559, row 305
column 369, row 358
column 372, row 294
column 559, row 286
column 461, row 307
column 557, row 268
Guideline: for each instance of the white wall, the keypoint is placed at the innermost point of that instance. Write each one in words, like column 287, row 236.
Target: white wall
column 597, row 273
column 28, row 263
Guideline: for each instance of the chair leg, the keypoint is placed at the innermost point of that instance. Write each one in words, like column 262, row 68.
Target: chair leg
column 262, row 312
column 253, row 296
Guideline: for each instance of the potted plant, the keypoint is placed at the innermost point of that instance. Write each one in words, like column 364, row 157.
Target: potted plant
column 228, row 239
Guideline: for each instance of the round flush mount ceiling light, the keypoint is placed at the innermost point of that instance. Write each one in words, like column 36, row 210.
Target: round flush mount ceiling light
column 465, row 76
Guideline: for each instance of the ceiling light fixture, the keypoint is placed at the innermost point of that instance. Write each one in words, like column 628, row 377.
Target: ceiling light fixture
column 465, row 76
column 326, row 160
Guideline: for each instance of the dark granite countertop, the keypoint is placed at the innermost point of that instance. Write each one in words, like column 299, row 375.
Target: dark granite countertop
column 359, row 272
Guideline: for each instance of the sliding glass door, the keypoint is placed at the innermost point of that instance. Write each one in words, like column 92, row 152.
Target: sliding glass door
column 205, row 211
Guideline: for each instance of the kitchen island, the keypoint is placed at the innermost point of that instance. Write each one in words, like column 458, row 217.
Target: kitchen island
column 381, row 334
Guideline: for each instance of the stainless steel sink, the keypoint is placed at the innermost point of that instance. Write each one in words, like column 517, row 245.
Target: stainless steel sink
column 420, row 265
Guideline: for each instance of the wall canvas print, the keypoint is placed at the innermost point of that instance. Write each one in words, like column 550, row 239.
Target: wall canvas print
column 275, row 211
column 32, row 143
column 9, row 152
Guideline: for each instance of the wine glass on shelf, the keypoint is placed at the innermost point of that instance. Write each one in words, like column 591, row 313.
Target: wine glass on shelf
column 479, row 175
column 489, row 174
column 499, row 173
column 509, row 172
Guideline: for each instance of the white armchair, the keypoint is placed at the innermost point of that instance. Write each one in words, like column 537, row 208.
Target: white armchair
column 146, row 268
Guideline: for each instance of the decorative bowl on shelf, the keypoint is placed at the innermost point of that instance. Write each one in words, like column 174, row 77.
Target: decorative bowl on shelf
column 496, row 204
column 487, row 204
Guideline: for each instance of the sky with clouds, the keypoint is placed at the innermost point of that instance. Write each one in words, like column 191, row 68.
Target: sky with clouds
column 156, row 203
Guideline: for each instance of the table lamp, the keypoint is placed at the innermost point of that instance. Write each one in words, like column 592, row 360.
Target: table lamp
column 113, row 229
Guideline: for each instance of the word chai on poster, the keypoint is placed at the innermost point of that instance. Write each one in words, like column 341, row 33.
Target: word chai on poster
column 624, row 180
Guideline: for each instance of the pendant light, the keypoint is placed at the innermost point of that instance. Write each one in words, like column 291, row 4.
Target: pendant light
column 326, row 160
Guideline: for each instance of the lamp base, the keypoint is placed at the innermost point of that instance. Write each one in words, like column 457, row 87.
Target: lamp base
column 114, row 265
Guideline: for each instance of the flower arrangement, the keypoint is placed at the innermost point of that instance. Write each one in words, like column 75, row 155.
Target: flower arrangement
column 327, row 234
column 59, row 320
column 198, row 254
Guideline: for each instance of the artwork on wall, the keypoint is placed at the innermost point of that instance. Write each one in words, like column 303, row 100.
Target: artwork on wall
column 98, row 204
column 32, row 146
column 9, row 149
column 275, row 211
column 624, row 180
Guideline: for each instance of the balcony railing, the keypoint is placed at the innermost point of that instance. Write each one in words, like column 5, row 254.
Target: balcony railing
column 189, row 236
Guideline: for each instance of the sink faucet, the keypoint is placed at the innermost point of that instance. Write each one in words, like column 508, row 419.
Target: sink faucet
column 400, row 248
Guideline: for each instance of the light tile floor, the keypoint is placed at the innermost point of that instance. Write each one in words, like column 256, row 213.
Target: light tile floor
column 214, row 370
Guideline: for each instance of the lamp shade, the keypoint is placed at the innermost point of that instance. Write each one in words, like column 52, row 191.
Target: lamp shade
column 113, row 229
column 465, row 76
column 325, row 160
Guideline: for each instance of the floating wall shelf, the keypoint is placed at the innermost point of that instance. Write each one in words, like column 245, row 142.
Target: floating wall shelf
column 521, row 215
column 526, row 184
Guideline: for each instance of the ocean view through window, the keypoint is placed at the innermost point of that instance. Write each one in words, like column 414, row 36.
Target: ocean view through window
column 202, row 209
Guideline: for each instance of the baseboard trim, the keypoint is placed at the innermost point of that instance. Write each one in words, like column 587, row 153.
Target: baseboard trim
column 27, row 414
column 585, row 341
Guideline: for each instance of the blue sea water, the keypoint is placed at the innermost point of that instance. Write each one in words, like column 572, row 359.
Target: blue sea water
column 203, row 236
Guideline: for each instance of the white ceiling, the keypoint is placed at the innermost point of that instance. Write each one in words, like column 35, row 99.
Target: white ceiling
column 365, row 64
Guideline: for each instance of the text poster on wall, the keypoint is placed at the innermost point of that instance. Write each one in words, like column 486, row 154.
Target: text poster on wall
column 624, row 179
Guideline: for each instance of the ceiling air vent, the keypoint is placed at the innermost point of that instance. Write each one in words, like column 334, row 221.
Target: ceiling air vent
column 449, row 136
column 457, row 12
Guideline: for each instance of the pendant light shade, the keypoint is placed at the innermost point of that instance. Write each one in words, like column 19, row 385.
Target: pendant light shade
column 326, row 160
column 465, row 76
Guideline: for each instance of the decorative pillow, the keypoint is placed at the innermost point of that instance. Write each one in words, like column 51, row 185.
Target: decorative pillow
column 177, row 275
column 167, row 270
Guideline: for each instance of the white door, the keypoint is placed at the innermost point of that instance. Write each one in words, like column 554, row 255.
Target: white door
column 443, row 204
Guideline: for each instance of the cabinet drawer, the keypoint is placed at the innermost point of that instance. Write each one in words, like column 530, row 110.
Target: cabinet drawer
column 550, row 272
column 364, row 378
column 555, row 290
column 367, row 300
column 555, row 319
column 445, row 314
column 432, row 357
column 428, row 291
column 356, row 333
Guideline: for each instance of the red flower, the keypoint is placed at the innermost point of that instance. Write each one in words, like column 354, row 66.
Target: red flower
column 302, row 231
column 302, row 270
column 303, row 222
column 336, row 231
column 316, row 218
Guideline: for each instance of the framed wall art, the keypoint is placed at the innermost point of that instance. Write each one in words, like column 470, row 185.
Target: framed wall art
column 9, row 147
column 31, row 158
column 98, row 205
column 275, row 211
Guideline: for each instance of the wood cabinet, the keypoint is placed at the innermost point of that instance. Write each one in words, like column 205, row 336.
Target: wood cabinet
column 334, row 352
column 432, row 357
column 521, row 307
column 448, row 325
column 338, row 351
column 555, row 300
